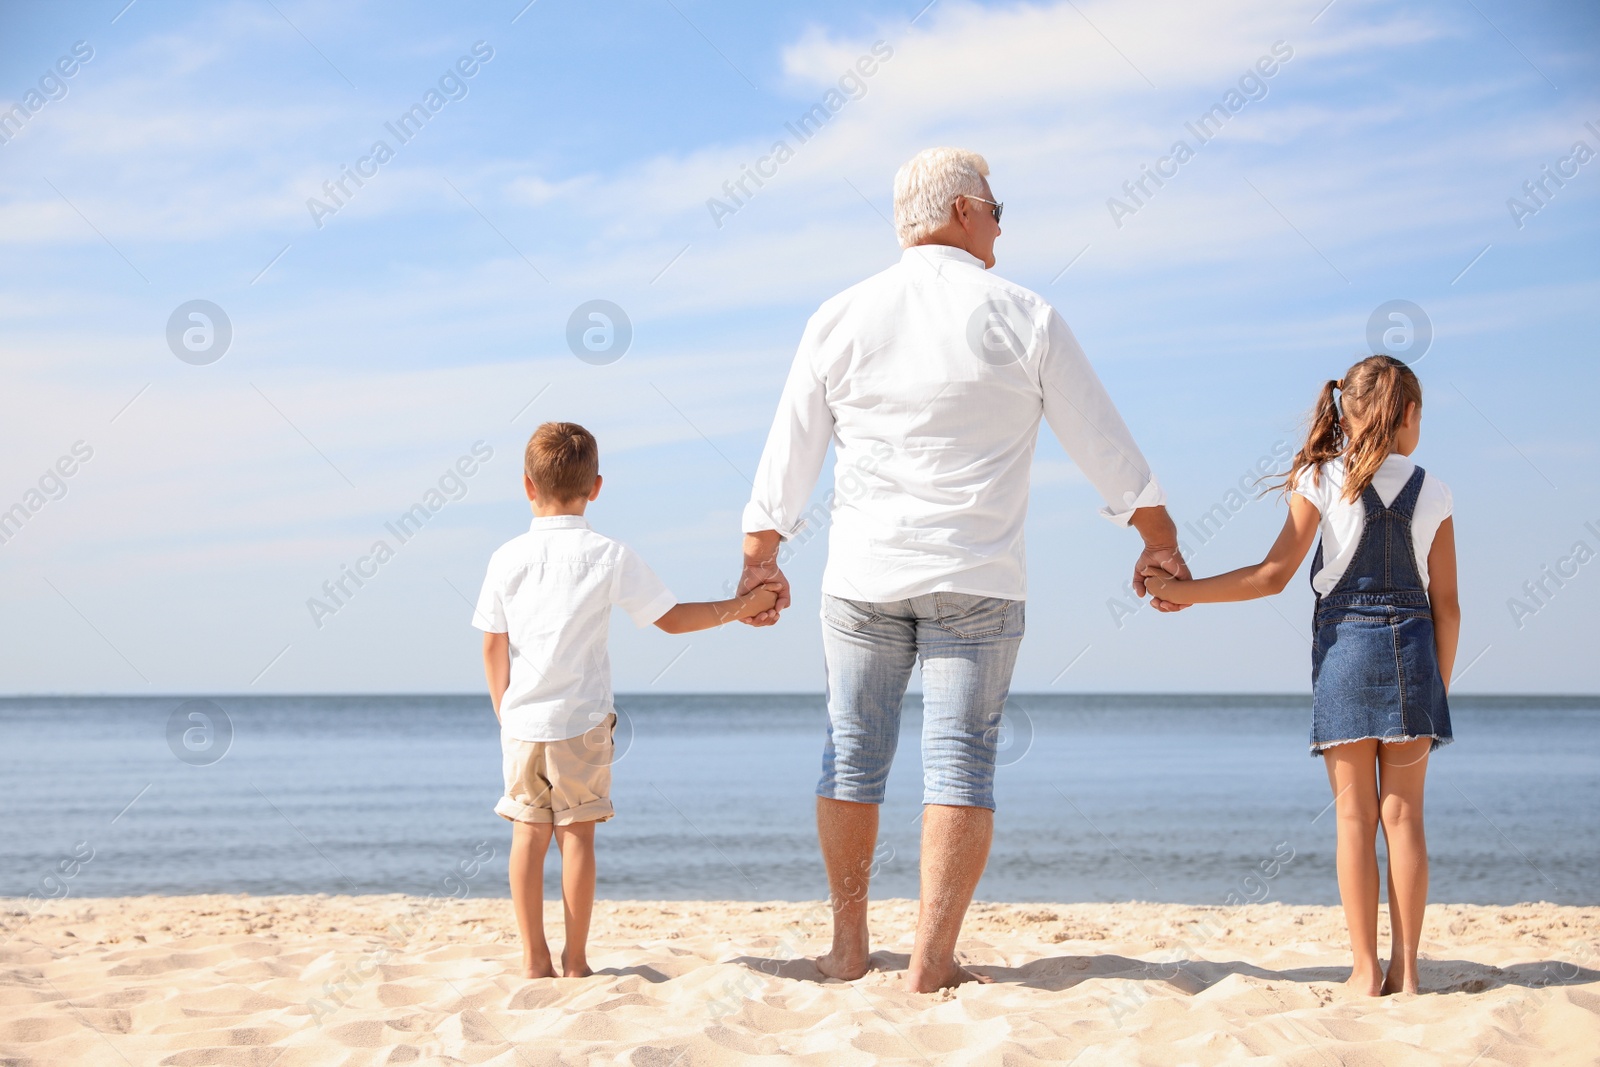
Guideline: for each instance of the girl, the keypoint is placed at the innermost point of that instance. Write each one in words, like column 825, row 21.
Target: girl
column 1385, row 624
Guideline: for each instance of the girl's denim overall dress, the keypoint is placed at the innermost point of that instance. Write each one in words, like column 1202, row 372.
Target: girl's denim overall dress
column 1374, row 668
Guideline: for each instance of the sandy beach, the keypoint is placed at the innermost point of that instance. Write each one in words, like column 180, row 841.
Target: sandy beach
column 293, row 980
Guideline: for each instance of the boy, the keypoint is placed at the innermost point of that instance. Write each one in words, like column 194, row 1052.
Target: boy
column 545, row 610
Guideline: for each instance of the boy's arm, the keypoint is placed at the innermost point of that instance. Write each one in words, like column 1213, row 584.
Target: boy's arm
column 705, row 614
column 1442, row 598
column 1247, row 583
column 497, row 666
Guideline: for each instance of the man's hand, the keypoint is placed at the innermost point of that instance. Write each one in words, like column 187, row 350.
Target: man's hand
column 761, row 568
column 1160, row 552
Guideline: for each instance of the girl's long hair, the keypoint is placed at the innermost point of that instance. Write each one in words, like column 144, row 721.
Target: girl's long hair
column 1361, row 425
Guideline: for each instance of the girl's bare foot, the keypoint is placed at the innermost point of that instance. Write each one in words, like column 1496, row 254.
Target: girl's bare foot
column 578, row 968
column 532, row 968
column 1365, row 983
column 1400, row 980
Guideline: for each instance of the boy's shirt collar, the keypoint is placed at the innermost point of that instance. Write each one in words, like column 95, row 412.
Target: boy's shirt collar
column 558, row 522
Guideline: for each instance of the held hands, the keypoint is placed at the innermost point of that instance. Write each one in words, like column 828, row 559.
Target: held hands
column 1157, row 568
column 1158, row 583
column 761, row 569
column 761, row 600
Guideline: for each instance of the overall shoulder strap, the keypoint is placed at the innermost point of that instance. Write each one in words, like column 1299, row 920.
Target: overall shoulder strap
column 1406, row 502
column 1372, row 501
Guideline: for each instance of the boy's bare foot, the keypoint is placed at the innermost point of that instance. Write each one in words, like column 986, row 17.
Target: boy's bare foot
column 944, row 978
column 538, row 969
column 846, row 967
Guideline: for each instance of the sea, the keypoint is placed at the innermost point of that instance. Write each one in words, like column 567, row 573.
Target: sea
column 1201, row 799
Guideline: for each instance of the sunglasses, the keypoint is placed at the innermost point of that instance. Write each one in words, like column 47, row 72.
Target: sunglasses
column 998, row 208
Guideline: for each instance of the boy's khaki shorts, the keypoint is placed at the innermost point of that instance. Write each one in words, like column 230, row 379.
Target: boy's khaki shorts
column 560, row 782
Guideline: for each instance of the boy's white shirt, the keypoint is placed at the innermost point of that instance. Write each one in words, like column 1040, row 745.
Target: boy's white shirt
column 551, row 590
column 1342, row 519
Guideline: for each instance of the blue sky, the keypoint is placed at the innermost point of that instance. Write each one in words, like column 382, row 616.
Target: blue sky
column 429, row 312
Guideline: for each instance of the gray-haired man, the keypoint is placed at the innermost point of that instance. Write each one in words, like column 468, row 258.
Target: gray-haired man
column 930, row 379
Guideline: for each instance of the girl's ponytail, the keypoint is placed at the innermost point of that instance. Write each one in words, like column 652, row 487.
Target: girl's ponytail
column 1324, row 441
column 1362, row 426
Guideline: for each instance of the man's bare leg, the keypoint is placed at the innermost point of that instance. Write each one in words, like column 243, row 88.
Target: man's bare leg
column 577, row 895
column 528, row 844
column 955, row 848
column 848, row 833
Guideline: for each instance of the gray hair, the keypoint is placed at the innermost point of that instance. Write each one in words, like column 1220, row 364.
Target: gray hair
column 927, row 185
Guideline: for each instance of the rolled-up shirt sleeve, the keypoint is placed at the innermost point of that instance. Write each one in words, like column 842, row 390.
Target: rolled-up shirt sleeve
column 1089, row 427
column 796, row 446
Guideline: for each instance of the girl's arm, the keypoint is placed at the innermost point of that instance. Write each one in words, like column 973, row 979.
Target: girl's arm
column 497, row 666
column 1442, row 597
column 1247, row 583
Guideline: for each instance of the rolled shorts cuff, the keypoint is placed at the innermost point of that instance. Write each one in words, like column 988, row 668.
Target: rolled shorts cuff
column 593, row 811
column 960, row 800
column 854, row 794
column 516, row 811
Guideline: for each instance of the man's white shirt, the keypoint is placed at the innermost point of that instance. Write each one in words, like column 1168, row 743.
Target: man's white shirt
column 930, row 379
column 551, row 590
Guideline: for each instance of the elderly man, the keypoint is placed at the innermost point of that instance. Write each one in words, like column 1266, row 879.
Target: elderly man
column 930, row 380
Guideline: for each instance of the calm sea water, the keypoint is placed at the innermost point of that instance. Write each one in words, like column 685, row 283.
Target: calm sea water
column 1166, row 798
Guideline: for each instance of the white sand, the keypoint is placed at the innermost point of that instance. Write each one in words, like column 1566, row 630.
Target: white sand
column 390, row 979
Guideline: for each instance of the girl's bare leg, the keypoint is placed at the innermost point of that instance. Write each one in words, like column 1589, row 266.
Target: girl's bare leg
column 1352, row 772
column 577, row 895
column 1401, row 769
column 528, row 844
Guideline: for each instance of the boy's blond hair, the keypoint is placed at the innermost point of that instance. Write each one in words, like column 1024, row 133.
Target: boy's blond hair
column 562, row 460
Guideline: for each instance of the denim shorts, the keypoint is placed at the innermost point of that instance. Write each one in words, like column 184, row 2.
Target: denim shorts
column 968, row 647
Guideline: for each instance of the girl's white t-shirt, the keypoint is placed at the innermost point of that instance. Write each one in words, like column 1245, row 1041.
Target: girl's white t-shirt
column 1342, row 520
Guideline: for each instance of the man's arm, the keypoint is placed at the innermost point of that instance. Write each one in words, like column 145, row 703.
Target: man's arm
column 796, row 446
column 1086, row 422
column 497, row 667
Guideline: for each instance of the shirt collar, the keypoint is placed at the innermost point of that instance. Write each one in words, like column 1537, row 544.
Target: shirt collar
column 946, row 252
column 558, row 522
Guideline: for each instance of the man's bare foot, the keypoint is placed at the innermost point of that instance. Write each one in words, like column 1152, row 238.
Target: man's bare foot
column 538, row 968
column 1365, row 984
column 846, row 967
column 929, row 981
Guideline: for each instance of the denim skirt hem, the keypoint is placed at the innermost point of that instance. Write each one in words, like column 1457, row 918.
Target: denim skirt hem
column 1319, row 747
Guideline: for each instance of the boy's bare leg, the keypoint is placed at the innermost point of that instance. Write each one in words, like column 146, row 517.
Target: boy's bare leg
column 955, row 848
column 848, row 833
column 1353, row 775
column 529, row 841
column 576, row 842
column 1402, row 768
